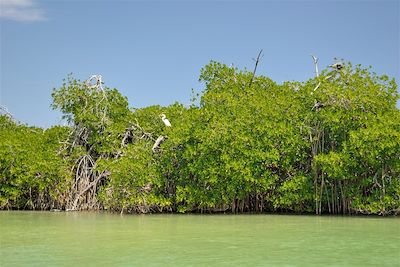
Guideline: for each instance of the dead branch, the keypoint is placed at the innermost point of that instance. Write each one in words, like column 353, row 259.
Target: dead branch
column 315, row 59
column 133, row 133
column 255, row 67
column 157, row 144
column 316, row 87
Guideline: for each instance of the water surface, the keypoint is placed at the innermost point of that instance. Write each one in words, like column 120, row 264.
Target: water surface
column 101, row 239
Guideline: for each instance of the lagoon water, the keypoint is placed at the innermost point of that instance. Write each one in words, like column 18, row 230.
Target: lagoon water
column 102, row 239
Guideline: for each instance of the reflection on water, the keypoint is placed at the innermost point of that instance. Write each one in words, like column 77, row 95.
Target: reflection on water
column 101, row 239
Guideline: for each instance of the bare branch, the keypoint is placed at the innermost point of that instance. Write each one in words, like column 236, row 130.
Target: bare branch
column 318, row 85
column 315, row 59
column 255, row 68
column 158, row 142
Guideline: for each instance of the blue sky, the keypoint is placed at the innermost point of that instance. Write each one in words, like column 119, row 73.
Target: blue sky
column 153, row 51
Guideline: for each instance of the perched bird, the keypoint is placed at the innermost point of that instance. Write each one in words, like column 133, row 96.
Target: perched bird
column 318, row 105
column 165, row 120
column 95, row 81
column 337, row 66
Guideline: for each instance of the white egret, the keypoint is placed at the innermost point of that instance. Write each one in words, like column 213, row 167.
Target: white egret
column 165, row 120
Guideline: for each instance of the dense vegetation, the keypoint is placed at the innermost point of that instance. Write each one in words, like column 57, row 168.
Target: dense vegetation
column 328, row 145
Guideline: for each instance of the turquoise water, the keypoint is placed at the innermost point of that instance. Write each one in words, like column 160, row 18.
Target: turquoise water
column 100, row 239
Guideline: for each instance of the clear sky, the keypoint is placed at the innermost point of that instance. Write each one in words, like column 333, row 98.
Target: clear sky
column 152, row 51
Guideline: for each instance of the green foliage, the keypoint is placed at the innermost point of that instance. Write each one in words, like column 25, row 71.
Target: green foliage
column 239, row 145
column 133, row 185
column 328, row 145
column 357, row 140
column 31, row 173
